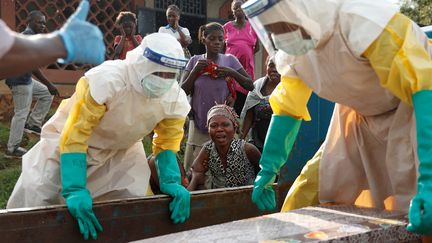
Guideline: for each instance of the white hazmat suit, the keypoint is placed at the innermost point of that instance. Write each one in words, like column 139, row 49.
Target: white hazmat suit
column 106, row 118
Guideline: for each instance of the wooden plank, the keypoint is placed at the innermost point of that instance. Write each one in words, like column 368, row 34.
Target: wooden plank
column 127, row 220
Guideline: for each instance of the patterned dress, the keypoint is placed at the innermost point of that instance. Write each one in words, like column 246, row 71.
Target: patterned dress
column 262, row 117
column 239, row 171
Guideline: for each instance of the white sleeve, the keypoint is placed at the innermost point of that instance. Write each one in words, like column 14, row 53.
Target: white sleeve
column 185, row 31
column 162, row 29
column 7, row 38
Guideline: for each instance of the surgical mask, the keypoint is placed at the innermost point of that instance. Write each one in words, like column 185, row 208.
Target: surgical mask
column 293, row 43
column 155, row 86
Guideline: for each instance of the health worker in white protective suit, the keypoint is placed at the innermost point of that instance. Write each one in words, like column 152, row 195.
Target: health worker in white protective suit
column 375, row 64
column 91, row 148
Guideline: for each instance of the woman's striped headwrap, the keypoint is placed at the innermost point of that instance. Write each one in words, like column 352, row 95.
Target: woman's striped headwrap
column 223, row 110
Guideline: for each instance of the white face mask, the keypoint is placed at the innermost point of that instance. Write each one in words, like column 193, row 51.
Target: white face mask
column 293, row 43
column 155, row 86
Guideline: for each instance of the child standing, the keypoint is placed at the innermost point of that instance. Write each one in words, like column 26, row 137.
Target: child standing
column 126, row 22
column 205, row 79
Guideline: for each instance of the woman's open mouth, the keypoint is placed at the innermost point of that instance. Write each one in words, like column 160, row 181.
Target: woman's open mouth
column 220, row 137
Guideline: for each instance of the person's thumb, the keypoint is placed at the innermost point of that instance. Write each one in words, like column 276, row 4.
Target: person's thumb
column 81, row 12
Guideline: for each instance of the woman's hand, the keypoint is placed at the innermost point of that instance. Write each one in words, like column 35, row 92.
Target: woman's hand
column 230, row 100
column 223, row 72
column 122, row 32
column 200, row 66
column 133, row 31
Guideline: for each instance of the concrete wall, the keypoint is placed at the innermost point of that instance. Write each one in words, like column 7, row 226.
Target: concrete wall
column 149, row 3
column 213, row 7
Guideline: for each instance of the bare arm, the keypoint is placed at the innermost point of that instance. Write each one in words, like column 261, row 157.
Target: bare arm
column 188, row 81
column 240, row 76
column 199, row 168
column 230, row 101
column 257, row 46
column 247, row 123
column 184, row 39
column 43, row 79
column 253, row 155
column 189, row 77
column 31, row 52
column 134, row 40
column 119, row 47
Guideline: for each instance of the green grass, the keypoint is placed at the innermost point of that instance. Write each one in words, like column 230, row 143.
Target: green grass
column 4, row 135
column 10, row 169
column 147, row 142
column 8, row 178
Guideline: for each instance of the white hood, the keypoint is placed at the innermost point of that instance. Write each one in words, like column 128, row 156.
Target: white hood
column 136, row 66
column 363, row 19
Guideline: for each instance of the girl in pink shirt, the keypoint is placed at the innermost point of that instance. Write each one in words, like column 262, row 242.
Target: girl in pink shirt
column 241, row 42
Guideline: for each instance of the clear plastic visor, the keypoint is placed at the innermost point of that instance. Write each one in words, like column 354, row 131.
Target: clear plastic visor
column 271, row 18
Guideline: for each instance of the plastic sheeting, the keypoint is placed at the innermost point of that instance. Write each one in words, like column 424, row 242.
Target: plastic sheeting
column 311, row 224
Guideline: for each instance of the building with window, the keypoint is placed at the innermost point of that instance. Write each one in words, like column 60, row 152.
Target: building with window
column 151, row 15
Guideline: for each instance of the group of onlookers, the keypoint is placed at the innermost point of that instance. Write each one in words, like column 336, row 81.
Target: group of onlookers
column 223, row 75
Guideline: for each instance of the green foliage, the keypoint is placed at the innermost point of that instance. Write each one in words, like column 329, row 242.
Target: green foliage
column 147, row 142
column 420, row 11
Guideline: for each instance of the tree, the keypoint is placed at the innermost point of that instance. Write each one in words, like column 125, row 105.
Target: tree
column 420, row 11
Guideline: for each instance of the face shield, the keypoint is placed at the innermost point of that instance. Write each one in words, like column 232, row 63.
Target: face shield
column 158, row 83
column 283, row 25
column 155, row 64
